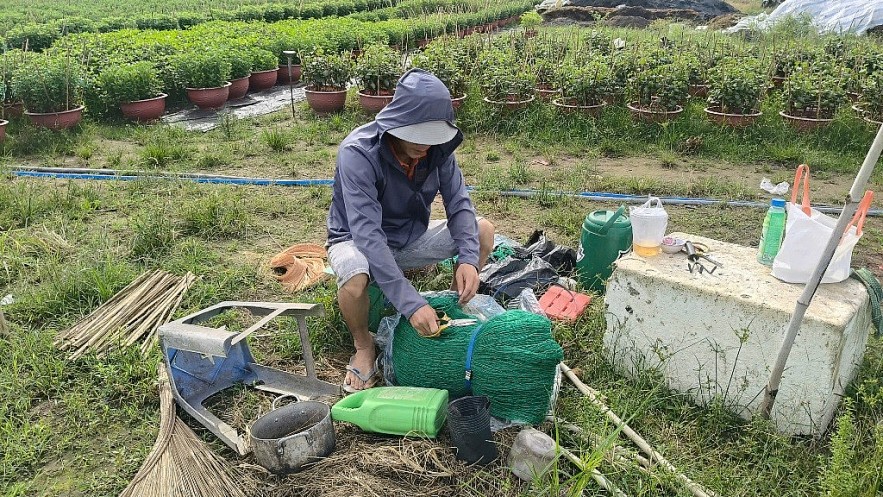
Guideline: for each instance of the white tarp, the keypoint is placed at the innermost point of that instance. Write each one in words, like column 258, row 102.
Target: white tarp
column 839, row 16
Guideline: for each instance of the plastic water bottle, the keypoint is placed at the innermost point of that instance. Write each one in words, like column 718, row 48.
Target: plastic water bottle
column 773, row 232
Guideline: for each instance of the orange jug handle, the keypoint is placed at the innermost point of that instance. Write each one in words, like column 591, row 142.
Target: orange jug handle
column 802, row 173
column 858, row 219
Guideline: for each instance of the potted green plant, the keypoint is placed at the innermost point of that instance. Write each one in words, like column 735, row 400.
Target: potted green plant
column 734, row 91
column 812, row 96
column 505, row 81
column 658, row 93
column 205, row 76
column 530, row 20
column 870, row 103
column 445, row 62
column 787, row 59
column 51, row 88
column 9, row 61
column 264, row 70
column 326, row 77
column 283, row 48
column 240, row 72
column 377, row 71
column 696, row 74
column 584, row 86
column 136, row 88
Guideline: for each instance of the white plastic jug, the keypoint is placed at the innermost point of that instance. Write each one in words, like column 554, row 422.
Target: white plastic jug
column 649, row 222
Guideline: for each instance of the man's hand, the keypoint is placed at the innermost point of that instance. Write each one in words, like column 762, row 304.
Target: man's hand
column 467, row 282
column 424, row 321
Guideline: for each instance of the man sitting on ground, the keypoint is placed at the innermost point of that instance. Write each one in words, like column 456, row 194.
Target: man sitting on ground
column 389, row 171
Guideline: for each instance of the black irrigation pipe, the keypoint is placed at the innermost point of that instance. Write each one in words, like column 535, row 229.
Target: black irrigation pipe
column 117, row 175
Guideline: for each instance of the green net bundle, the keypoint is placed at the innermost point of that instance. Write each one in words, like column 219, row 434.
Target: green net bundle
column 514, row 360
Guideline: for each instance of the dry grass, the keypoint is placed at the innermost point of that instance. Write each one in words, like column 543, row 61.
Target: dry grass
column 371, row 465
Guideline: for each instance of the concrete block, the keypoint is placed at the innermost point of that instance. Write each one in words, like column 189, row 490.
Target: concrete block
column 716, row 336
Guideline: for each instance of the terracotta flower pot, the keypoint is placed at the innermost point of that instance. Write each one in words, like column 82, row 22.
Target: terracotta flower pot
column 653, row 116
column 209, row 98
column 15, row 109
column 546, row 92
column 282, row 74
column 699, row 91
column 567, row 107
column 238, row 88
column 3, row 124
column 262, row 80
column 374, row 103
column 732, row 120
column 778, row 81
column 853, row 96
column 457, row 102
column 511, row 103
column 326, row 102
column 145, row 110
column 804, row 124
column 57, row 120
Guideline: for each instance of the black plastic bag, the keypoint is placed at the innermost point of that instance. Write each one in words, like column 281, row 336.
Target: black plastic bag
column 506, row 278
column 561, row 257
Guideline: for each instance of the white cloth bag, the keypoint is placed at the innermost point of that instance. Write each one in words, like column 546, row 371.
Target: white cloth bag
column 806, row 234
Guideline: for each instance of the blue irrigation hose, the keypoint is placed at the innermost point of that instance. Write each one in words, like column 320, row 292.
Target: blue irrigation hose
column 111, row 174
column 217, row 180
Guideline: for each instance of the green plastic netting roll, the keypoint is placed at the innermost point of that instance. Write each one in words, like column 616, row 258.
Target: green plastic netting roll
column 514, row 360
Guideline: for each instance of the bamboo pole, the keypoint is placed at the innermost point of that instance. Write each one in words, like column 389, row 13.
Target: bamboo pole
column 617, row 453
column 696, row 489
column 4, row 329
column 809, row 291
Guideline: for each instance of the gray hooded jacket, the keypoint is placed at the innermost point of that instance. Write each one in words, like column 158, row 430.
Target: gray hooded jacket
column 375, row 204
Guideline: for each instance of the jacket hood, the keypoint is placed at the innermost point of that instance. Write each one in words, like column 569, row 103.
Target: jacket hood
column 419, row 97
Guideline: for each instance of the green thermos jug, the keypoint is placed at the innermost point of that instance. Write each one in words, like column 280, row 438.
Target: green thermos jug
column 606, row 236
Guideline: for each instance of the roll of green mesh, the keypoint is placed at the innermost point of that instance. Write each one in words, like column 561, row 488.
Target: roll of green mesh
column 514, row 360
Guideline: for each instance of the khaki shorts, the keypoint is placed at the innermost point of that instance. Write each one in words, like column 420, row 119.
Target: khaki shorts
column 433, row 246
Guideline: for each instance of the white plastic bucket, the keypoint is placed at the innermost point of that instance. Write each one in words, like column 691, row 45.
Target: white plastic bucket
column 649, row 223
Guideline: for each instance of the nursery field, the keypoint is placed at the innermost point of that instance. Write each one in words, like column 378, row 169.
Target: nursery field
column 84, row 426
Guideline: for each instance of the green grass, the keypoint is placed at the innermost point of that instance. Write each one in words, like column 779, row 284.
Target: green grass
column 65, row 423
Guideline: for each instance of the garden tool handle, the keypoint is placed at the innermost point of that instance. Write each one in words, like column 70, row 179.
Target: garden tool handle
column 691, row 251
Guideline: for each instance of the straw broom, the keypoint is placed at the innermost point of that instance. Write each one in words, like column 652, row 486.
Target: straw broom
column 136, row 312
column 180, row 464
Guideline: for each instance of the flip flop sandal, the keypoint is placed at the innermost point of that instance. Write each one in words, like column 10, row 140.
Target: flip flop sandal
column 370, row 380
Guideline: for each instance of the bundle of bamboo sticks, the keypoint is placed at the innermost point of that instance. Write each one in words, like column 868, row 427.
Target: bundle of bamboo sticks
column 136, row 312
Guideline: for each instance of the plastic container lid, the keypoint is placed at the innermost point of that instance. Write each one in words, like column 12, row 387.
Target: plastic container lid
column 778, row 202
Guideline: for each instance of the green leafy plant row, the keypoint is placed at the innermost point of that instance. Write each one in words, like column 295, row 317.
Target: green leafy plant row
column 39, row 36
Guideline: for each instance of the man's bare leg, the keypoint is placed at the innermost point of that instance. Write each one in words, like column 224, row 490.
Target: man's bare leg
column 485, row 246
column 354, row 305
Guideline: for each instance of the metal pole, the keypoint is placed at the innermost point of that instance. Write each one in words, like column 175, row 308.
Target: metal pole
column 852, row 201
column 288, row 55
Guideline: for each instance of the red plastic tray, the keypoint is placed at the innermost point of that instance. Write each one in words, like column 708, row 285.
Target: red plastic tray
column 564, row 305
